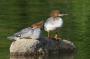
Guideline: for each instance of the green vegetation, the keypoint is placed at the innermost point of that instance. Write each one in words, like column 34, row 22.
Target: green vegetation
column 18, row 14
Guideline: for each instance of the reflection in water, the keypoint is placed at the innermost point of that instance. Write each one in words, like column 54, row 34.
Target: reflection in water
column 60, row 56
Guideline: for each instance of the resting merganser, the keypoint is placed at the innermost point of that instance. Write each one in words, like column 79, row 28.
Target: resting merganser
column 32, row 32
column 54, row 21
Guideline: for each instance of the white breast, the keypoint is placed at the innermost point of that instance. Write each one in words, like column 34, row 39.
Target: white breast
column 52, row 25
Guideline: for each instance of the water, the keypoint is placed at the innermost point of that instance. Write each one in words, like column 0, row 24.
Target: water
column 59, row 56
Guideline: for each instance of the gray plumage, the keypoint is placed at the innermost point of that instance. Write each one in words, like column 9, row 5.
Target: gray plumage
column 26, row 33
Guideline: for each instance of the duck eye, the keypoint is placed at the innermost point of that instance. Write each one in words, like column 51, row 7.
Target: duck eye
column 18, row 36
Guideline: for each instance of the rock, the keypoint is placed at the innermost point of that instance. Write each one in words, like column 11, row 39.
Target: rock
column 23, row 46
column 40, row 46
column 54, row 46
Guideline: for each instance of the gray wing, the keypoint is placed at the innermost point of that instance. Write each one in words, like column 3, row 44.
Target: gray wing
column 23, row 31
column 19, row 34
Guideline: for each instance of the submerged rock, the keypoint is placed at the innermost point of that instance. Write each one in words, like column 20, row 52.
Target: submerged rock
column 40, row 46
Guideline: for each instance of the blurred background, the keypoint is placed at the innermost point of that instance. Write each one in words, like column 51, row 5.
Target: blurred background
column 18, row 14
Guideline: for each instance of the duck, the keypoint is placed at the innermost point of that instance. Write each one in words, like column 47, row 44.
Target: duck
column 54, row 21
column 32, row 32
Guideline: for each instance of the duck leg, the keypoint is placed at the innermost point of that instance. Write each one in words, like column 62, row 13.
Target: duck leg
column 49, row 34
column 57, row 37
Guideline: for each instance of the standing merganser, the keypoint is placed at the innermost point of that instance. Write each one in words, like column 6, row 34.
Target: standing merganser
column 32, row 32
column 54, row 21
